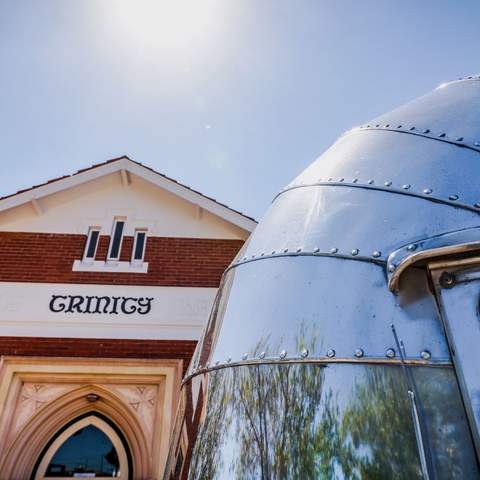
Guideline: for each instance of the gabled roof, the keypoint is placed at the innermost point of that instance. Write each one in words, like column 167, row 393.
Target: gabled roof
column 122, row 165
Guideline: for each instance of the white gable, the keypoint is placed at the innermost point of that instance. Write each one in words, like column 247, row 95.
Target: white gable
column 147, row 199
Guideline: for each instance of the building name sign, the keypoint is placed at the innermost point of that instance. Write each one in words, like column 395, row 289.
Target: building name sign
column 100, row 305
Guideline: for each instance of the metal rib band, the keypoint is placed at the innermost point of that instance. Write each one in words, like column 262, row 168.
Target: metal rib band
column 323, row 361
column 340, row 256
column 430, row 135
column 398, row 191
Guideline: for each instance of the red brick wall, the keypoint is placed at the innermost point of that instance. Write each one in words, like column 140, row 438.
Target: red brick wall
column 98, row 348
column 48, row 258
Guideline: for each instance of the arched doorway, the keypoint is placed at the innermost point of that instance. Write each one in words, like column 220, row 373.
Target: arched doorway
column 90, row 446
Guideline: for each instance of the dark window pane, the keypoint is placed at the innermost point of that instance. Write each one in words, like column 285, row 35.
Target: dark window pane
column 88, row 450
column 116, row 240
column 92, row 244
column 138, row 254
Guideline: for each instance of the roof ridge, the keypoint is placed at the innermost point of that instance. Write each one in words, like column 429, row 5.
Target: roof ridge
column 116, row 159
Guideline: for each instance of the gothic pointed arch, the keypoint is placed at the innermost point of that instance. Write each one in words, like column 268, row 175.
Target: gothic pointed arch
column 24, row 453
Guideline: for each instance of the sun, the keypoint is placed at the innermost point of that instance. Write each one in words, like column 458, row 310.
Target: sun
column 174, row 26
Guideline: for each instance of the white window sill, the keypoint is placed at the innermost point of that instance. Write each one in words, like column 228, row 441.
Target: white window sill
column 110, row 267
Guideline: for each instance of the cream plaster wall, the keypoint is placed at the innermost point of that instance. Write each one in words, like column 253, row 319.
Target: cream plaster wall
column 98, row 201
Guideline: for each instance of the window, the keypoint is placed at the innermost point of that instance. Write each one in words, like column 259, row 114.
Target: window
column 139, row 244
column 89, row 447
column 116, row 239
column 91, row 245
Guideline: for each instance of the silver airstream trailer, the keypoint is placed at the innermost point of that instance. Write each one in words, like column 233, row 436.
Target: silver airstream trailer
column 345, row 338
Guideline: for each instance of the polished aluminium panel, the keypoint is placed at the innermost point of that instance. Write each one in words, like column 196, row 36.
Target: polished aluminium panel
column 350, row 221
column 298, row 373
column 458, row 290
column 333, row 421
column 258, row 312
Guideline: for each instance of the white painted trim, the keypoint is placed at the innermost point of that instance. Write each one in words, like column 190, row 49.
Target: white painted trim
column 37, row 206
column 109, row 267
column 124, row 163
column 125, row 177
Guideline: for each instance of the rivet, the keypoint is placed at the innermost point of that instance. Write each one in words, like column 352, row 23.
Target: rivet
column 207, row 365
column 459, row 139
column 285, row 250
column 406, row 186
column 262, row 254
column 377, row 125
column 304, row 353
column 217, row 362
column 477, row 205
column 392, row 267
column 316, row 250
column 333, row 250
column 427, row 191
column 330, row 179
column 253, row 256
column 229, row 359
column 477, row 144
column 387, row 125
column 244, row 356
column 387, row 184
column 412, row 128
column 376, row 254
column 412, row 247
column 425, row 354
column 262, row 355
column 283, row 354
column 453, row 197
column 390, row 353
column 299, row 249
column 355, row 180
column 442, row 135
column 371, row 182
column 244, row 258
column 273, row 252
column 341, row 179
column 355, row 251
column 359, row 352
column 331, row 353
column 426, row 130
column 399, row 126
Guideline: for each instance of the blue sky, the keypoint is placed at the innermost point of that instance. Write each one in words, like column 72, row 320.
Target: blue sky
column 232, row 97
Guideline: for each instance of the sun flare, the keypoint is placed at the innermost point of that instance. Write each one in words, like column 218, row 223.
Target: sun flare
column 176, row 26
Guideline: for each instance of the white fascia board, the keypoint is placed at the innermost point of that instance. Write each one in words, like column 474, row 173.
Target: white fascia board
column 193, row 197
column 59, row 185
column 125, row 164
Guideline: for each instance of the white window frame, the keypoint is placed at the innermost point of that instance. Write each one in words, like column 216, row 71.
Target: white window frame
column 139, row 261
column 86, row 259
column 111, row 259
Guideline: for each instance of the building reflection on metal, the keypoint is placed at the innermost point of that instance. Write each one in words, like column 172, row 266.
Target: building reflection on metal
column 344, row 340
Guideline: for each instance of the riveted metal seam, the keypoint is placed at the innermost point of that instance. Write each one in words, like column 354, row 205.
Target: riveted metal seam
column 322, row 361
column 459, row 143
column 371, row 186
column 339, row 256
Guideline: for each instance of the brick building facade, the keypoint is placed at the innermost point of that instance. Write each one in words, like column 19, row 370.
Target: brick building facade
column 107, row 277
